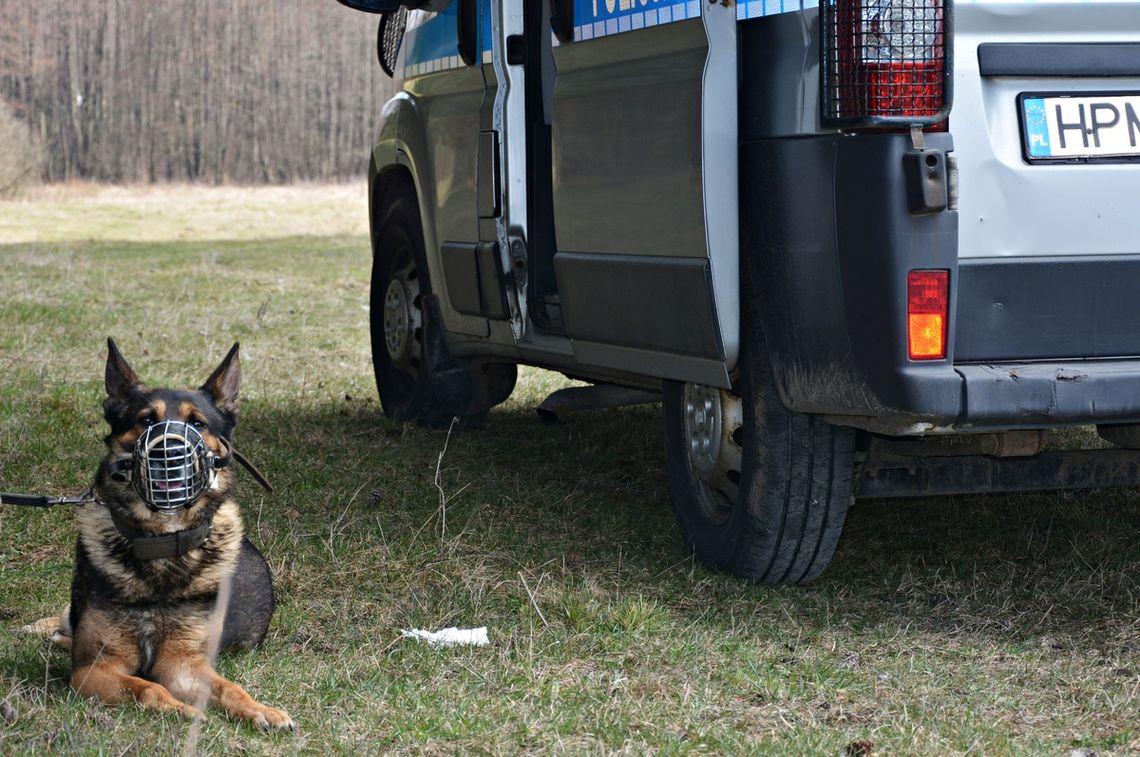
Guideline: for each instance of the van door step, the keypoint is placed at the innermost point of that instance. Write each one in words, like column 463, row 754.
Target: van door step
column 596, row 397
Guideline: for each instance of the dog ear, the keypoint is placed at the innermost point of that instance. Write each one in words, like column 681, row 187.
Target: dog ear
column 223, row 383
column 119, row 378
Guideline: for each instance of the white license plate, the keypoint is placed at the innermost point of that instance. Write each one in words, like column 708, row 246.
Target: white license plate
column 1083, row 127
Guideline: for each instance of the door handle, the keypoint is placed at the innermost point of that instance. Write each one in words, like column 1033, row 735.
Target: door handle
column 562, row 20
column 467, row 31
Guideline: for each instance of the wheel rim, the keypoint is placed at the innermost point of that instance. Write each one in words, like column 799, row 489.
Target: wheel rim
column 714, row 425
column 402, row 317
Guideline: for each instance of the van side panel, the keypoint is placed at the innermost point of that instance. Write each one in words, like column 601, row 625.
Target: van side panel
column 627, row 171
column 626, row 138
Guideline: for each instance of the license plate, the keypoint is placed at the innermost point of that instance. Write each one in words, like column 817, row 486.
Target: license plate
column 1081, row 127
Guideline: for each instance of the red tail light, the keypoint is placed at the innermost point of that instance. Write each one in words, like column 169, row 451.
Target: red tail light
column 927, row 313
column 885, row 62
column 898, row 89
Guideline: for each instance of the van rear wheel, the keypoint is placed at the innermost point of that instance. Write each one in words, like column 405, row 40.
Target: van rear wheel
column 759, row 491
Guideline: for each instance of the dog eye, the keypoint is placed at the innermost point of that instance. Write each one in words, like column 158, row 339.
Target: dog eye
column 146, row 420
column 196, row 423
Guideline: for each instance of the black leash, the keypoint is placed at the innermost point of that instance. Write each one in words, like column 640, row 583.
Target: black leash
column 144, row 546
column 253, row 471
column 34, row 500
column 88, row 497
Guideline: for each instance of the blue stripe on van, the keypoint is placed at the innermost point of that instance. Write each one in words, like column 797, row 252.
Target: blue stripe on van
column 746, row 9
column 603, row 18
column 430, row 45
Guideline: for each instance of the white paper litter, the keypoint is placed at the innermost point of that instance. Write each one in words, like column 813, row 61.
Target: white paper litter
column 450, row 637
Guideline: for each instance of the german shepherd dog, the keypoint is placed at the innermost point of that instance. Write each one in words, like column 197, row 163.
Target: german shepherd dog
column 145, row 621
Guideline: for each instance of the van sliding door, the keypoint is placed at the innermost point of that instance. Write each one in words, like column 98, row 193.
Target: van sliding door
column 644, row 282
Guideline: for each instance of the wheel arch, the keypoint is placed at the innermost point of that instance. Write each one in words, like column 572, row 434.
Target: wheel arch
column 397, row 165
column 398, row 168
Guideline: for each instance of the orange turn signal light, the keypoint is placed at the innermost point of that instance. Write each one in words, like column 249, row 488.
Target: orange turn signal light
column 927, row 312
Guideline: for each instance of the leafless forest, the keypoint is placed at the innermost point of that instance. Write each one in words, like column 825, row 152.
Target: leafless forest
column 192, row 90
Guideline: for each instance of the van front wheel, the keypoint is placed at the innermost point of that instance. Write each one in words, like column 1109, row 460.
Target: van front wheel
column 416, row 378
column 759, row 491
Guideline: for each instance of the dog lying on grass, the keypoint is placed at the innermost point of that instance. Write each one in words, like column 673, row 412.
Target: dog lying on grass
column 159, row 551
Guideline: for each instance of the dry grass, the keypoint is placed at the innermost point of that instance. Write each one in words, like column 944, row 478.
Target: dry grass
column 169, row 213
column 995, row 625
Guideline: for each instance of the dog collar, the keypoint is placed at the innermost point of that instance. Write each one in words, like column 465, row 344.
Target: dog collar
column 146, row 546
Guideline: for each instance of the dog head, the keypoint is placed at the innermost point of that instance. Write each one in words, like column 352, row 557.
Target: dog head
column 202, row 420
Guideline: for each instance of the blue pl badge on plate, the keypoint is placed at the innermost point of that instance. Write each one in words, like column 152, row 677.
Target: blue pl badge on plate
column 1036, row 128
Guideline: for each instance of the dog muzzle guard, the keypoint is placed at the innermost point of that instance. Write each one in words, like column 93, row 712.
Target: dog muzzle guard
column 171, row 466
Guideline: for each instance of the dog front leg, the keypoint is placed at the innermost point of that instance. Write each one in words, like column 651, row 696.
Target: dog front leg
column 192, row 679
column 109, row 682
column 239, row 704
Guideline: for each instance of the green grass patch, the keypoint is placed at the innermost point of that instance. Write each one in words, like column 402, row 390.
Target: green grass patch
column 996, row 625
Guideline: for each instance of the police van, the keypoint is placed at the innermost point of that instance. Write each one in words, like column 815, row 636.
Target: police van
column 857, row 248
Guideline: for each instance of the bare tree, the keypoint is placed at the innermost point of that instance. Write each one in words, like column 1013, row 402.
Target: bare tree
column 193, row 90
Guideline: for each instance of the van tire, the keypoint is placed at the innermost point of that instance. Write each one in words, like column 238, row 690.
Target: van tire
column 781, row 523
column 404, row 324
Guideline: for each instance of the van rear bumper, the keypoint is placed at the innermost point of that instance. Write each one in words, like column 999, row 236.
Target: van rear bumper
column 828, row 238
column 1045, row 394
column 995, row 397
column 1071, row 307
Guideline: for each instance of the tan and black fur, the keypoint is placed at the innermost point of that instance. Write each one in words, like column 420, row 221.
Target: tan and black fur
column 148, row 630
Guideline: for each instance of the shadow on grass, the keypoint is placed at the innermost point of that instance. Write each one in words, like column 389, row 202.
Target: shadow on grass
column 586, row 500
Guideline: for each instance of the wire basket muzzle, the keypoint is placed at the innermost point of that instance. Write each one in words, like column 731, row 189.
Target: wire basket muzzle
column 172, row 466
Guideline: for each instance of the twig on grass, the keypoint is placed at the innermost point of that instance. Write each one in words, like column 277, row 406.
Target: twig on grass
column 338, row 525
column 533, row 601
column 443, row 498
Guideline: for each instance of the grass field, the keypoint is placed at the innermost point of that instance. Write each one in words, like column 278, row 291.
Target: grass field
column 987, row 625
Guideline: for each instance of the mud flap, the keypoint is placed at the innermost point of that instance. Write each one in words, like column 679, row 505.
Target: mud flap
column 460, row 386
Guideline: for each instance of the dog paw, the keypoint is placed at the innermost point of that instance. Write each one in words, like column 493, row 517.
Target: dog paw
column 188, row 711
column 272, row 719
column 61, row 640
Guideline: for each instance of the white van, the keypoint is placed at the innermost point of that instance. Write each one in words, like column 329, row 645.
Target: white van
column 861, row 248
